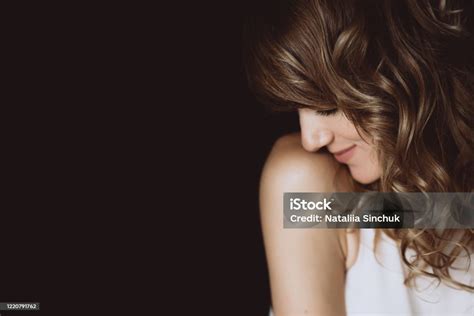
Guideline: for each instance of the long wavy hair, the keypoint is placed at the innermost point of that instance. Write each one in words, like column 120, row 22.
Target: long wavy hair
column 403, row 72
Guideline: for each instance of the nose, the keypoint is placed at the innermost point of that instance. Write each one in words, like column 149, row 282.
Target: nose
column 315, row 133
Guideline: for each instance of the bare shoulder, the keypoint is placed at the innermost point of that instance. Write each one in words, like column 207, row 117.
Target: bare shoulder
column 293, row 255
column 291, row 167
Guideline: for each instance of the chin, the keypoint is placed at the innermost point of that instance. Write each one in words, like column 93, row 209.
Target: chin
column 364, row 176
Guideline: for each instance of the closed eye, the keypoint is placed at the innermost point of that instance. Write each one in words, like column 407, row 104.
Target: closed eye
column 326, row 113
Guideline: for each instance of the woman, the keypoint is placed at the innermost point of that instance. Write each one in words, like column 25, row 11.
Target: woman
column 384, row 90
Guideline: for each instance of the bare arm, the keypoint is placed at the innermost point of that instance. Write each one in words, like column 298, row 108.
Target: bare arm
column 307, row 266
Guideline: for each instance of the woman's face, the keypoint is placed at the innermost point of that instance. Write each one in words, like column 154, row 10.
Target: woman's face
column 340, row 137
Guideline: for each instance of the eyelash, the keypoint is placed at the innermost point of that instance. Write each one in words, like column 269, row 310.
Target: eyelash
column 326, row 113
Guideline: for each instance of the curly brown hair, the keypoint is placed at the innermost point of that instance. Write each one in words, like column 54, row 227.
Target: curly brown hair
column 403, row 72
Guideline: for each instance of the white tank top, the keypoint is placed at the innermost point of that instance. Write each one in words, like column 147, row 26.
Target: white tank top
column 374, row 288
column 377, row 289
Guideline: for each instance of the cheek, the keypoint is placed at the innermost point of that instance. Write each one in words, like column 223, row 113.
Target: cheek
column 343, row 128
column 365, row 168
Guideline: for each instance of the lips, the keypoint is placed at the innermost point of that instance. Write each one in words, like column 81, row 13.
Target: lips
column 344, row 155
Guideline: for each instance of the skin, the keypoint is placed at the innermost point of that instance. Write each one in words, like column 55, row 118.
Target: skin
column 307, row 266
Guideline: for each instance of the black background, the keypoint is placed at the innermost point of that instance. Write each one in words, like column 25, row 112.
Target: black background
column 134, row 154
